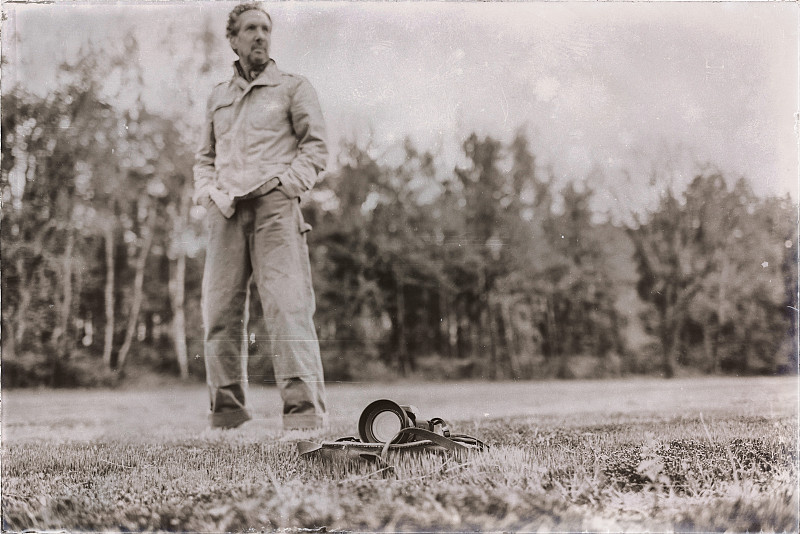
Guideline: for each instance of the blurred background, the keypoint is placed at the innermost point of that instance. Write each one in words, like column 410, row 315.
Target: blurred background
column 515, row 191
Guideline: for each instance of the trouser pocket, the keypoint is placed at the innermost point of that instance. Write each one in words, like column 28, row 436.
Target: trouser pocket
column 302, row 226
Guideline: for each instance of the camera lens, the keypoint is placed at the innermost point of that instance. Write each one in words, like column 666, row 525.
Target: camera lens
column 381, row 421
column 385, row 426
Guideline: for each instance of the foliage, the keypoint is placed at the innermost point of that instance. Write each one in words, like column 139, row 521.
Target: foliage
column 491, row 269
column 473, row 267
column 86, row 186
column 713, row 265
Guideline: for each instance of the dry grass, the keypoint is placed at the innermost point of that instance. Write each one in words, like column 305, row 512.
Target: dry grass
column 689, row 455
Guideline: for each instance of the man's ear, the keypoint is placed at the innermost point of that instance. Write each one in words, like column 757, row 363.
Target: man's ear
column 232, row 41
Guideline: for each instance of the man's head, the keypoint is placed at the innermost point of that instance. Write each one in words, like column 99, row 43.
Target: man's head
column 249, row 31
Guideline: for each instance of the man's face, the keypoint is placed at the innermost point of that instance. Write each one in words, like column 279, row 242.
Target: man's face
column 252, row 40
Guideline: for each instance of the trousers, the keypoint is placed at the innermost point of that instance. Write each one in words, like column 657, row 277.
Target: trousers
column 265, row 241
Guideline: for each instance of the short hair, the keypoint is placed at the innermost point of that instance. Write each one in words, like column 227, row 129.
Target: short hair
column 233, row 17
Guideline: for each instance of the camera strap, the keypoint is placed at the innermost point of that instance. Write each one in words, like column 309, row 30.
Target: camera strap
column 354, row 448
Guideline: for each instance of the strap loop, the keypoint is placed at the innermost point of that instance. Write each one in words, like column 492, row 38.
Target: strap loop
column 442, row 441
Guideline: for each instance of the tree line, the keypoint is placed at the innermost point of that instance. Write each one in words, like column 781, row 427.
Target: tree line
column 492, row 269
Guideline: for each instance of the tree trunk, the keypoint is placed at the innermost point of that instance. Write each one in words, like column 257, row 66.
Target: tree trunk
column 556, row 344
column 444, row 341
column 710, row 339
column 722, row 317
column 452, row 328
column 746, row 352
column 60, row 335
column 462, row 332
column 176, row 292
column 177, row 285
column 108, row 336
column 508, row 335
column 670, row 339
column 27, row 278
column 486, row 322
column 138, row 294
column 25, row 295
column 9, row 339
column 402, row 350
column 475, row 329
column 491, row 320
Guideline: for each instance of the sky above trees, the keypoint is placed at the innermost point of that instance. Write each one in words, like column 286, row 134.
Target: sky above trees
column 611, row 92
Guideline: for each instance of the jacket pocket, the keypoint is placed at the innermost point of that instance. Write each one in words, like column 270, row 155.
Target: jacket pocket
column 268, row 111
column 223, row 118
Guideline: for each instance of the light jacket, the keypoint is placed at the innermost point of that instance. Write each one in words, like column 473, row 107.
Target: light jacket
column 268, row 132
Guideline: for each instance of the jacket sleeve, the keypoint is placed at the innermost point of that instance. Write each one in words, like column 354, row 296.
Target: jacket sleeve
column 312, row 151
column 204, row 170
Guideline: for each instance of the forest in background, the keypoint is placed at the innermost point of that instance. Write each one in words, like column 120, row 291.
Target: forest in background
column 492, row 269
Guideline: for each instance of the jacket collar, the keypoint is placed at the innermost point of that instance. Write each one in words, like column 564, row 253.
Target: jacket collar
column 269, row 76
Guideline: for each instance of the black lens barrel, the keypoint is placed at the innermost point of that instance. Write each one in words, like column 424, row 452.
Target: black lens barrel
column 406, row 415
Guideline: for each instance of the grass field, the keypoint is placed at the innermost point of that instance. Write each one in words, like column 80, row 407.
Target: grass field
column 711, row 454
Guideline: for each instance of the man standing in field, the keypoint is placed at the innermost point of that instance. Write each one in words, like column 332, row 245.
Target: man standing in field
column 263, row 145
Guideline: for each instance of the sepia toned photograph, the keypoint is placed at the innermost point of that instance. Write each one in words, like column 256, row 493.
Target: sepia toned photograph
column 360, row 266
